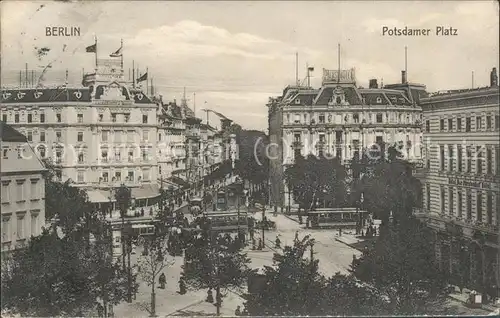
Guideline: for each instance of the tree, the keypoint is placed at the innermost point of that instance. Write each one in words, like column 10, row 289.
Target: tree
column 152, row 264
column 317, row 180
column 123, row 196
column 56, row 276
column 293, row 286
column 402, row 268
column 214, row 266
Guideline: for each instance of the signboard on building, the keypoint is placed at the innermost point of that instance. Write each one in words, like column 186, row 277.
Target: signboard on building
column 473, row 183
column 346, row 76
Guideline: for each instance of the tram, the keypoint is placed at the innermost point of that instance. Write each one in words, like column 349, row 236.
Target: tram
column 336, row 218
column 227, row 221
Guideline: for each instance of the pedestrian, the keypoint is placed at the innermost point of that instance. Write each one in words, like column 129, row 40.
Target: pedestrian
column 162, row 280
column 374, row 231
column 142, row 211
column 151, row 211
column 237, row 312
column 260, row 244
column 296, row 236
column 210, row 296
column 278, row 242
column 182, row 286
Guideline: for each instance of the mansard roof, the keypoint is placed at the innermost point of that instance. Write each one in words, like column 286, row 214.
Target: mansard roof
column 44, row 95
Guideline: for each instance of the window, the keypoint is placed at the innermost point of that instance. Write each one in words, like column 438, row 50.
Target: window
column 5, row 152
column 130, row 176
column 101, row 116
column 104, row 155
column 118, row 136
column 58, row 118
column 30, row 136
column 130, row 156
column 479, row 206
column 41, row 151
column 467, row 124
column 58, row 156
column 459, row 202
column 159, row 137
column 58, row 136
column 118, row 155
column 497, row 122
column 104, row 136
column 459, row 124
column 379, row 118
column 79, row 118
column 105, row 176
column 468, row 159
column 450, row 124
column 144, row 154
column 450, row 157
column 80, row 176
column 479, row 160
column 81, row 157
column 34, row 189
column 113, row 118
column 428, row 197
column 16, row 118
column 6, row 228
column 355, row 118
column 322, row 119
column 427, row 126
column 42, row 117
column 441, row 157
column 80, row 136
column 145, row 175
column 489, row 209
column 30, row 118
column 489, row 161
column 478, row 123
column 20, row 190
column 5, row 192
column 4, row 118
column 288, row 118
column 441, row 124
column 469, row 205
column 488, row 122
column 450, row 201
column 497, row 160
column 144, row 119
column 42, row 136
column 459, row 158
column 127, row 117
column 442, row 197
column 34, row 222
column 130, row 135
column 20, row 225
column 118, row 176
column 145, row 135
column 296, row 137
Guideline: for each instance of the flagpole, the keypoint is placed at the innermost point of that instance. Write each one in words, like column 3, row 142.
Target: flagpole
column 121, row 56
column 147, row 86
column 133, row 74
column 95, row 53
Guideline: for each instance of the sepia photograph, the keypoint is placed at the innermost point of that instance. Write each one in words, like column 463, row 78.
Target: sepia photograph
column 249, row 158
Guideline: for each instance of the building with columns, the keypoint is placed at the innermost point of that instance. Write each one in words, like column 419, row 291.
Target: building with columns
column 98, row 135
column 339, row 119
column 461, row 182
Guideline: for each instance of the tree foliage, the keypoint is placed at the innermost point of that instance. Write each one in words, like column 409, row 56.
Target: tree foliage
column 253, row 162
column 294, row 287
column 123, row 196
column 402, row 268
column 317, row 180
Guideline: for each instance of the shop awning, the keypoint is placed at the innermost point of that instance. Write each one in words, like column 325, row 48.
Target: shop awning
column 147, row 191
column 100, row 196
column 168, row 185
column 181, row 182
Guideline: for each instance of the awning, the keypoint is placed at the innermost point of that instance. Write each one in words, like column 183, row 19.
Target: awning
column 147, row 191
column 181, row 182
column 100, row 196
column 167, row 185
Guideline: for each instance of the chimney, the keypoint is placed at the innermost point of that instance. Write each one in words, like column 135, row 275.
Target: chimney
column 373, row 83
column 403, row 77
column 493, row 77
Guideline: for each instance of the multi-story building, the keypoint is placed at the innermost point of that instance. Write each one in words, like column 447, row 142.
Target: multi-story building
column 339, row 119
column 23, row 190
column 171, row 141
column 99, row 136
column 461, row 200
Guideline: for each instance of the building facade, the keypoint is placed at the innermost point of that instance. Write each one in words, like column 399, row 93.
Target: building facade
column 98, row 136
column 339, row 119
column 22, row 190
column 461, row 181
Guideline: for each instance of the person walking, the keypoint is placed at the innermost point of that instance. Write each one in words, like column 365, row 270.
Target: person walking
column 237, row 312
column 162, row 280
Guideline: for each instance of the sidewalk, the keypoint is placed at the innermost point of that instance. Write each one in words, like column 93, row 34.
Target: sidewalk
column 464, row 296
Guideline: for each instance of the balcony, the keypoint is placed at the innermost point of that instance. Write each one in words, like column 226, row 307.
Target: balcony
column 420, row 212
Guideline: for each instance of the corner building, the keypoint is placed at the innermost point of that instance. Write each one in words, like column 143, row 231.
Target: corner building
column 339, row 119
column 461, row 182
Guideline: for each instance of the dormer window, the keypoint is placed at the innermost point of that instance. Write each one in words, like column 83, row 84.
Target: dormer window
column 297, row 101
column 322, row 118
column 379, row 100
column 355, row 117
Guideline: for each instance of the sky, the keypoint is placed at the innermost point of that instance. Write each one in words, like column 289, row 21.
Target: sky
column 235, row 55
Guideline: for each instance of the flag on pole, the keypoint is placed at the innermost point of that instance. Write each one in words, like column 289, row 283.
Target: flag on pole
column 143, row 78
column 117, row 53
column 310, row 69
column 91, row 49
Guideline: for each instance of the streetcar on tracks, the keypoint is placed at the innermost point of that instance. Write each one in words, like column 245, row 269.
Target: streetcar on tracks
column 347, row 218
column 227, row 221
